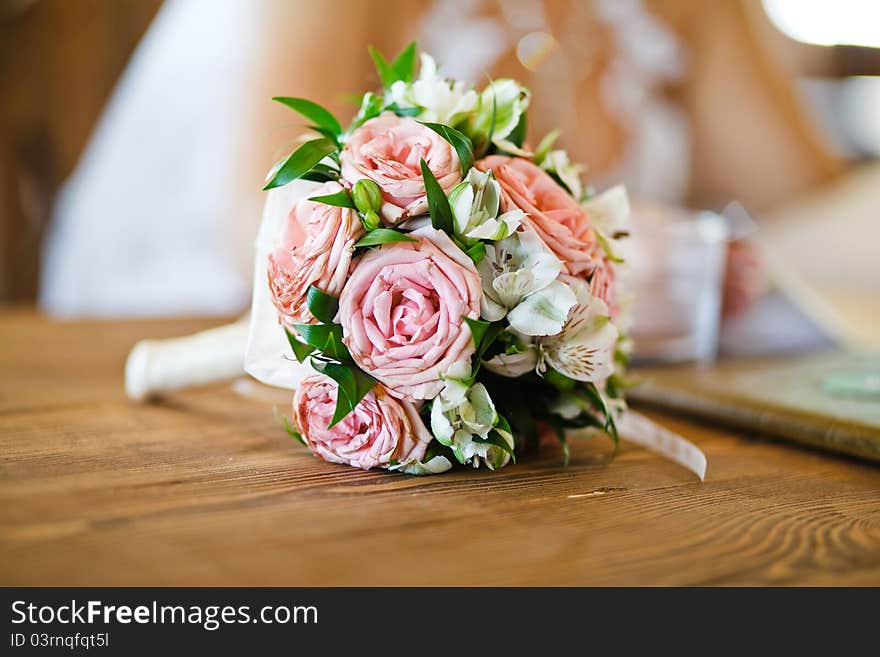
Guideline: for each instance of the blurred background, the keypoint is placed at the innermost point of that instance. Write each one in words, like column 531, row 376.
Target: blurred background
column 135, row 135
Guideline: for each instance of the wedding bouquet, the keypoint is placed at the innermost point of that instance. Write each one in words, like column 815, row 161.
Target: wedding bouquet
column 435, row 290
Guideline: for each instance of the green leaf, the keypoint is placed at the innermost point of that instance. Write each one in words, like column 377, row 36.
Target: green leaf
column 405, row 111
column 383, row 236
column 353, row 385
column 494, row 116
column 300, row 349
column 559, row 380
column 324, row 133
column 462, row 145
column 288, row 427
column 326, row 338
column 544, row 146
column 313, row 112
column 496, row 439
column 386, row 72
column 438, row 203
column 341, row 199
column 518, row 135
column 491, row 334
column 477, row 252
column 478, row 327
column 321, row 173
column 559, row 430
column 371, row 107
column 404, row 64
column 436, row 448
column 322, row 306
column 301, row 162
column 610, row 427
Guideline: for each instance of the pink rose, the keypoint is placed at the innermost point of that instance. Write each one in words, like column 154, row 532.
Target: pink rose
column 402, row 312
column 602, row 284
column 388, row 151
column 552, row 212
column 316, row 249
column 379, row 429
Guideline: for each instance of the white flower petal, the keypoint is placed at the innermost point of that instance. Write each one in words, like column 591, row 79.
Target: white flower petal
column 485, row 414
column 538, row 259
column 512, row 220
column 441, row 427
column 511, row 287
column 490, row 310
column 584, row 350
column 461, row 201
column 491, row 229
column 543, row 312
column 513, row 365
column 609, row 211
column 510, row 147
column 436, row 465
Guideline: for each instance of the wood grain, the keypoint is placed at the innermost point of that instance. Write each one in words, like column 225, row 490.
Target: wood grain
column 204, row 488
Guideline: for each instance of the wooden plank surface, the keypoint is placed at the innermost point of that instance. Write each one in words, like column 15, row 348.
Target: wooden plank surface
column 204, row 488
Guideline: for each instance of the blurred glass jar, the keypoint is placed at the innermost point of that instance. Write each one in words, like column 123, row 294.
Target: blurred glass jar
column 673, row 281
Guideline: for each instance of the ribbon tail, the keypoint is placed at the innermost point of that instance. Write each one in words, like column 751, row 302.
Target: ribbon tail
column 638, row 429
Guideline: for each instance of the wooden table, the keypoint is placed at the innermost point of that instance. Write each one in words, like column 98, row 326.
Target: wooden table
column 205, row 488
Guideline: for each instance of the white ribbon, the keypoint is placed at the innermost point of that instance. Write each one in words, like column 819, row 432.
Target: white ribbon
column 638, row 429
column 268, row 356
column 155, row 367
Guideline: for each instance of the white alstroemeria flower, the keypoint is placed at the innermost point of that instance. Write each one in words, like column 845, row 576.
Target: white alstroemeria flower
column 514, row 364
column 519, row 276
column 584, row 349
column 435, row 465
column 609, row 215
column 485, row 453
column 557, row 162
column 463, row 416
column 475, row 203
column 509, row 99
column 443, row 101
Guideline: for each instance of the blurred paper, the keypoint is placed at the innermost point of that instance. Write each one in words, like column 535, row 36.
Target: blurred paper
column 823, row 252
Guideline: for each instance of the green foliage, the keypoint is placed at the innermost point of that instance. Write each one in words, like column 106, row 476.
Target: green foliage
column 438, row 203
column 301, row 161
column 518, row 136
column 300, row 350
column 608, row 425
column 405, row 64
column 321, row 173
column 322, row 306
column 381, row 236
column 288, row 427
column 477, row 252
column 326, row 338
column 402, row 68
column 496, row 439
column 352, row 386
column 479, row 328
column 340, row 199
column 322, row 118
column 461, row 143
